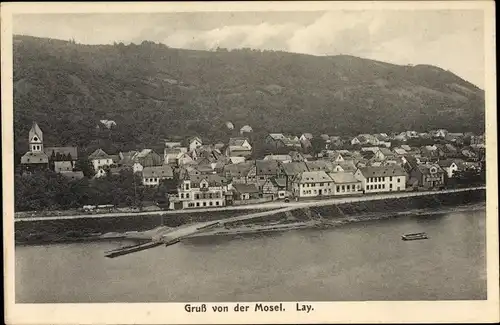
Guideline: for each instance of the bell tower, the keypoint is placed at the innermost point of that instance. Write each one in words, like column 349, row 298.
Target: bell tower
column 36, row 138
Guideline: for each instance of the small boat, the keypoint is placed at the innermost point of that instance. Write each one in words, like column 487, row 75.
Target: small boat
column 415, row 236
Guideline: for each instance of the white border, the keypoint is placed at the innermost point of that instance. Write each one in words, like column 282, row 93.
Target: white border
column 325, row 312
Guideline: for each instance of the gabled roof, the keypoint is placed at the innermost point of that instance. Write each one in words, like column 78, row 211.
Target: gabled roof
column 445, row 162
column 400, row 151
column 277, row 136
column 237, row 142
column 278, row 157
column 382, row 171
column 267, row 167
column 158, row 171
column 35, row 130
column 245, row 188
column 213, row 180
column 427, row 169
column 279, row 182
column 99, row 154
column 312, row 177
column 308, row 136
column 72, row 175
column 34, row 158
column 238, row 170
column 294, row 168
column 343, row 177
column 317, row 165
column 386, row 151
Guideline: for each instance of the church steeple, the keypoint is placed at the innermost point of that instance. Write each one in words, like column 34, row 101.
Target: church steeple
column 36, row 138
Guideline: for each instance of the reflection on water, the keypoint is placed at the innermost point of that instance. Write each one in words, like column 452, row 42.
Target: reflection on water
column 358, row 261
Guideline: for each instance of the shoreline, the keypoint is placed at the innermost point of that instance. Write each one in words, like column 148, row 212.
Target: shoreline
column 249, row 229
column 256, row 229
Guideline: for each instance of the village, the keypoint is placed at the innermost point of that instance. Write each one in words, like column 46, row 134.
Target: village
column 297, row 167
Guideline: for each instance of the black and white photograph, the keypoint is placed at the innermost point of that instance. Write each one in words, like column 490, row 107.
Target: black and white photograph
column 248, row 161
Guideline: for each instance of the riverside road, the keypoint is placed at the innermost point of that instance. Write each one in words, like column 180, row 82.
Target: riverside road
column 261, row 206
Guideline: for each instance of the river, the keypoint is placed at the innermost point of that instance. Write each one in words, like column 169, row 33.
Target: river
column 359, row 261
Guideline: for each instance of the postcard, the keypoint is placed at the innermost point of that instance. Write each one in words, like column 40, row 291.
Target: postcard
column 239, row 162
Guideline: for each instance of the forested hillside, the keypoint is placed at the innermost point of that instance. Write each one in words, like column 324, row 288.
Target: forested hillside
column 155, row 92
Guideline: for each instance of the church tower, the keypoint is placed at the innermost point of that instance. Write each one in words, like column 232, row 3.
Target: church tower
column 36, row 138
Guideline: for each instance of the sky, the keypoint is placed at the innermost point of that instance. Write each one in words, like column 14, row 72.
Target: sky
column 450, row 39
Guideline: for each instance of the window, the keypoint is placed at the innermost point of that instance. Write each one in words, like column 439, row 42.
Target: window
column 338, row 188
column 204, row 204
column 182, row 196
column 216, row 202
column 197, row 204
column 390, row 178
column 399, row 180
column 390, row 186
column 211, row 203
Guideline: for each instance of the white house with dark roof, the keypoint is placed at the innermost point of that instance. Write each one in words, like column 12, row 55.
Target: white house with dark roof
column 312, row 184
column 151, row 176
column 344, row 183
column 100, row 159
column 238, row 147
column 377, row 179
column 195, row 143
column 201, row 192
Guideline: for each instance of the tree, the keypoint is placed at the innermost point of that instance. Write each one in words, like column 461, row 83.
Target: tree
column 318, row 144
column 84, row 165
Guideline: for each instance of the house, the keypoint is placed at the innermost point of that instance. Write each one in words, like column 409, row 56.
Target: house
column 128, row 160
column 62, row 154
column 244, row 192
column 296, row 156
column 344, row 183
column 238, row 173
column 468, row 154
column 246, row 129
column 291, row 170
column 239, row 147
column 172, row 144
column 108, row 123
column 317, row 165
column 344, row 166
column 324, row 136
column 282, row 158
column 236, row 160
column 265, row 169
column 100, row 159
column 101, row 171
column 450, row 166
column 35, row 158
column 63, row 166
column 149, row 158
column 400, row 151
column 427, row 176
column 382, row 178
column 306, row 144
column 405, row 147
column 194, row 143
column 441, row 133
column 151, row 176
column 306, row 136
column 275, row 188
column 312, row 184
column 355, row 141
column 383, row 154
column 278, row 140
column 201, row 192
column 334, row 156
column 71, row 175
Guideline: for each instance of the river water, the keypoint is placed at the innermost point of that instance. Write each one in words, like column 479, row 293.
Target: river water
column 359, row 261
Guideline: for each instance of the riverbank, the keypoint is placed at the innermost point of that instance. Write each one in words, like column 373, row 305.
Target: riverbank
column 329, row 223
column 88, row 229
